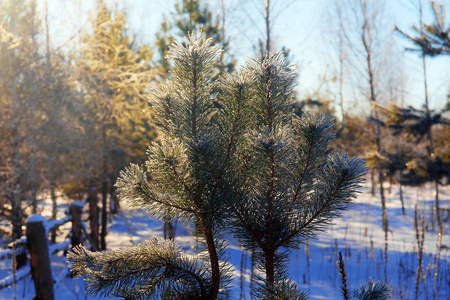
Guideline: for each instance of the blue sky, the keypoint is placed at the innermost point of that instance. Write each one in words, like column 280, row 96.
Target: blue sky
column 304, row 27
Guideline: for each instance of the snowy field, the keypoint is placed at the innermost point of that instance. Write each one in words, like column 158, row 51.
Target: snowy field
column 358, row 234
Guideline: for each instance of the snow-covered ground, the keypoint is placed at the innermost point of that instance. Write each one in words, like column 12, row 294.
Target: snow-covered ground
column 358, row 234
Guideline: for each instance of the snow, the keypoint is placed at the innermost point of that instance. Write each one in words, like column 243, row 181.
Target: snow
column 56, row 223
column 59, row 246
column 36, row 218
column 63, row 274
column 78, row 203
column 358, row 234
column 7, row 281
column 8, row 253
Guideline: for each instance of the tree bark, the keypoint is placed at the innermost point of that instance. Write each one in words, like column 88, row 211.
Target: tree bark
column 169, row 232
column 270, row 270
column 16, row 219
column 54, row 209
column 214, row 260
column 104, row 193
column 104, row 215
column 401, row 199
column 267, row 21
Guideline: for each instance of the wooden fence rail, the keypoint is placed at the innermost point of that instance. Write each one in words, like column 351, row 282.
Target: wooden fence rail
column 18, row 246
column 37, row 243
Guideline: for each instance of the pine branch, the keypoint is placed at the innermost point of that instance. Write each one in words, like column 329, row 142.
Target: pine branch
column 373, row 291
column 273, row 89
column 315, row 133
column 256, row 237
column 165, row 105
column 234, row 113
column 132, row 186
column 336, row 185
column 145, row 271
column 283, row 290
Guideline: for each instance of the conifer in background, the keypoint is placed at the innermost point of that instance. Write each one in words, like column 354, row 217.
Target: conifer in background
column 412, row 162
column 193, row 16
column 249, row 164
column 431, row 39
column 114, row 73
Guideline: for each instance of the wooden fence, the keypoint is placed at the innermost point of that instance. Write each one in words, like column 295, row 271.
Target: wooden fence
column 36, row 243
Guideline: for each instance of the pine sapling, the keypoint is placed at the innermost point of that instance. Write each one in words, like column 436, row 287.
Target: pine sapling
column 232, row 155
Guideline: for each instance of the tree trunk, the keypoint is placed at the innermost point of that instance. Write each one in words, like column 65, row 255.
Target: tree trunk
column 113, row 201
column 270, row 270
column 383, row 203
column 32, row 172
column 267, row 21
column 169, row 232
column 104, row 193
column 16, row 189
column 372, row 181
column 104, row 215
column 401, row 199
column 427, row 108
column 54, row 210
column 16, row 219
column 214, row 260
column 16, row 216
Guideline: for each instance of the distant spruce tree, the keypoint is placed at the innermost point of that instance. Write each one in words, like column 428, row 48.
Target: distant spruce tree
column 432, row 39
column 249, row 164
column 412, row 166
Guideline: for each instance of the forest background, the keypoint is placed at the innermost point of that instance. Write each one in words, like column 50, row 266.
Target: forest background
column 75, row 76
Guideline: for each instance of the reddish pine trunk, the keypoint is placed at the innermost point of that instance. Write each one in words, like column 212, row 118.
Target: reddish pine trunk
column 214, row 259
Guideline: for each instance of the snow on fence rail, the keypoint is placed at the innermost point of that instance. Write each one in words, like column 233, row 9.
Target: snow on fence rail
column 10, row 280
column 36, row 241
column 19, row 245
column 54, row 224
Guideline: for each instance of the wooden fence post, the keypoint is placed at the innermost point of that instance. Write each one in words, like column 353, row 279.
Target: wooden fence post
column 39, row 257
column 93, row 215
column 76, row 209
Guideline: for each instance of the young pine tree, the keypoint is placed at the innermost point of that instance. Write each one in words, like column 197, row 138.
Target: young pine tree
column 232, row 155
